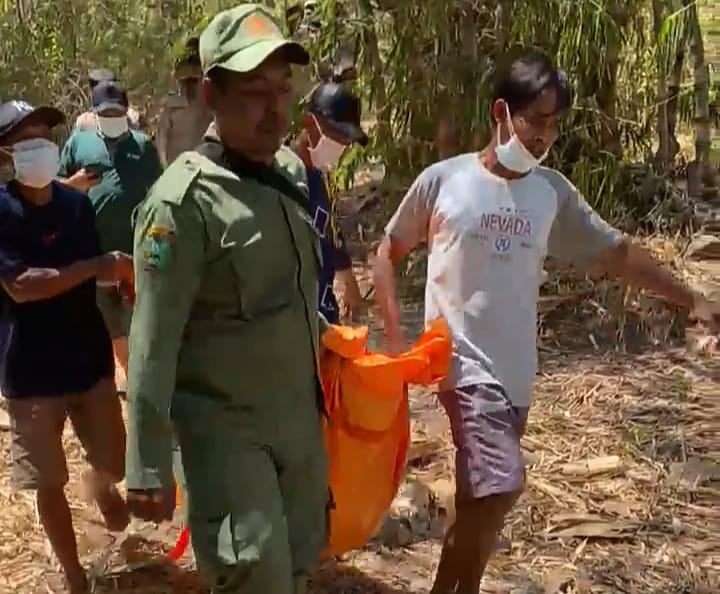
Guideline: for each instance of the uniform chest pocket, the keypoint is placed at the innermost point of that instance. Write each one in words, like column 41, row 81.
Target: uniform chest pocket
column 260, row 251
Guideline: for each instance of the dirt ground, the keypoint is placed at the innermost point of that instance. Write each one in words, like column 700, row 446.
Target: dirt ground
column 646, row 521
column 622, row 497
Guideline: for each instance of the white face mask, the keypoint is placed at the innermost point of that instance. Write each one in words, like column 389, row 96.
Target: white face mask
column 113, row 127
column 327, row 152
column 514, row 155
column 36, row 162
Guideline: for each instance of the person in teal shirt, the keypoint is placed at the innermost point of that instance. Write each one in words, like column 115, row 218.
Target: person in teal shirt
column 127, row 165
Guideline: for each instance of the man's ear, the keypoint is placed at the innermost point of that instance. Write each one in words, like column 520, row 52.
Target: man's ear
column 499, row 111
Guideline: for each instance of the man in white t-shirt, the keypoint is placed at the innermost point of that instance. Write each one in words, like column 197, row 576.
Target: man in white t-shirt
column 489, row 220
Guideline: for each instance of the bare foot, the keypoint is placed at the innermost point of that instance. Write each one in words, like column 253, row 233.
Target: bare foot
column 113, row 509
column 75, row 583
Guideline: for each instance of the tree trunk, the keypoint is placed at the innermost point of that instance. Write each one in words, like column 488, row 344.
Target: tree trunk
column 25, row 9
column 606, row 93
column 668, row 90
column 370, row 55
column 701, row 88
column 673, row 92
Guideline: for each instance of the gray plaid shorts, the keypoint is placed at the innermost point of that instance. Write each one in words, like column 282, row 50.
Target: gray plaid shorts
column 486, row 430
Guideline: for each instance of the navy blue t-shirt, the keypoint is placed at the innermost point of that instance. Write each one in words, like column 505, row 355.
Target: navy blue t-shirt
column 58, row 345
column 334, row 253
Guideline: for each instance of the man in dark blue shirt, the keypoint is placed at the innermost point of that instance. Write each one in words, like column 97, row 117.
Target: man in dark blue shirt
column 331, row 124
column 59, row 360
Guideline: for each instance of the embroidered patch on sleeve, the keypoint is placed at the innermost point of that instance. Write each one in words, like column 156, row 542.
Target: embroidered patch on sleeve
column 156, row 248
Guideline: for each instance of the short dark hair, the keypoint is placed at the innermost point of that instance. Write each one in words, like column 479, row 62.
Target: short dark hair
column 523, row 79
column 218, row 77
column 190, row 53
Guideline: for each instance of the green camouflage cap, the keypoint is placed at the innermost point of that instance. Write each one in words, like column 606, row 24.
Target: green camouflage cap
column 242, row 38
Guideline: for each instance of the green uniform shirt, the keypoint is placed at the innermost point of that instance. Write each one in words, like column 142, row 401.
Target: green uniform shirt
column 129, row 167
column 226, row 267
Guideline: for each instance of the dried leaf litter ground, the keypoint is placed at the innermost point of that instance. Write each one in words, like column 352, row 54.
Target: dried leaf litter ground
column 623, row 477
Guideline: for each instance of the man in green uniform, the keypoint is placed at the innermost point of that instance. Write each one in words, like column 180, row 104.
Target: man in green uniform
column 125, row 164
column 224, row 338
column 183, row 119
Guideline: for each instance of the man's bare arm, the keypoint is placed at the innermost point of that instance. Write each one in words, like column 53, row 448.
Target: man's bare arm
column 36, row 284
column 636, row 266
column 81, row 180
column 389, row 255
column 351, row 297
column 579, row 236
column 410, row 226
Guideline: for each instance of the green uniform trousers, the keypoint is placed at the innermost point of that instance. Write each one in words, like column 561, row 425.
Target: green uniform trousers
column 257, row 511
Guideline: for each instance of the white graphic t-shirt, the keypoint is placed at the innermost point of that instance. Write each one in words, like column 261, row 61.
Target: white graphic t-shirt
column 488, row 238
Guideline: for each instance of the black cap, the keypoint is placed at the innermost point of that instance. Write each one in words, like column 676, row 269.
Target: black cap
column 187, row 62
column 97, row 75
column 109, row 95
column 15, row 113
column 340, row 110
column 190, row 53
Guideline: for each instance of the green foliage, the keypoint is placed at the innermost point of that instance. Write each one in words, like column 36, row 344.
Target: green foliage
column 44, row 58
column 417, row 61
column 423, row 61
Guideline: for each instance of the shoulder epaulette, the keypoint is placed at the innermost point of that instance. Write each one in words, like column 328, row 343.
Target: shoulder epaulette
column 175, row 183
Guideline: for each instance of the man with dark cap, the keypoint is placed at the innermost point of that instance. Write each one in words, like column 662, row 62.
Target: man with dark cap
column 225, row 340
column 98, row 75
column 58, row 362
column 330, row 126
column 183, row 119
column 127, row 164
column 88, row 120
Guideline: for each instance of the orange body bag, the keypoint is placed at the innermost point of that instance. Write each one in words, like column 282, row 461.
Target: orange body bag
column 367, row 430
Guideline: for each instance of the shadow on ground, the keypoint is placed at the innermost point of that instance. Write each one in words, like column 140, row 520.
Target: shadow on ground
column 162, row 578
column 331, row 578
column 334, row 578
